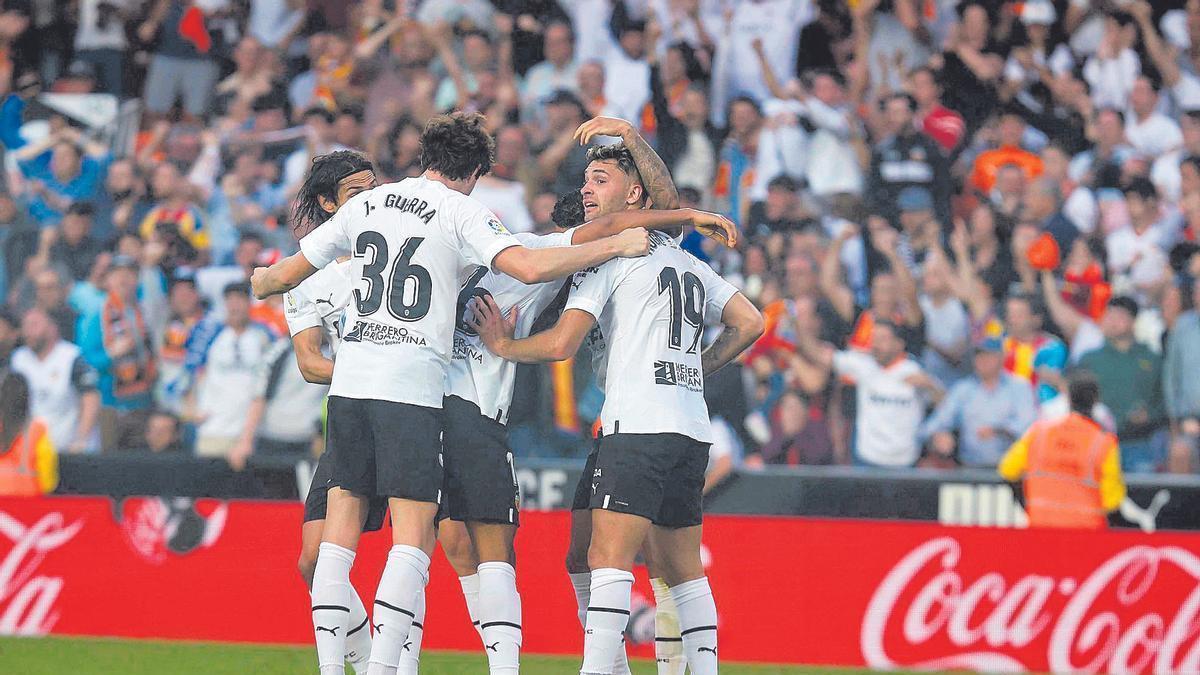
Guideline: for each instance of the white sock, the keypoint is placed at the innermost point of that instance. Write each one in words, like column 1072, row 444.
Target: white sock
column 332, row 596
column 358, row 637
column 500, row 617
column 668, row 646
column 698, row 624
column 470, row 589
column 404, row 577
column 410, row 653
column 607, row 617
column 582, row 582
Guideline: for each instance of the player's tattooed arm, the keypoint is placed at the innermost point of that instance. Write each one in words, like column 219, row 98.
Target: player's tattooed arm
column 711, row 225
column 656, row 178
column 554, row 344
column 743, row 325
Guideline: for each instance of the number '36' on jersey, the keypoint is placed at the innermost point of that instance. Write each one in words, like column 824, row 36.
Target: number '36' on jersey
column 411, row 243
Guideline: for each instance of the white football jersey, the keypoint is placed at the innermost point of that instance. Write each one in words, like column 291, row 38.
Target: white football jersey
column 320, row 302
column 476, row 374
column 651, row 313
column 412, row 244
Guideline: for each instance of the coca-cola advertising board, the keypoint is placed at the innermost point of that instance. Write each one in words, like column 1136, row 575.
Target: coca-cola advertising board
column 788, row 590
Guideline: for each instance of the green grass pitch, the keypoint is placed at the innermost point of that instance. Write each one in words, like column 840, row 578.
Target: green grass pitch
column 98, row 656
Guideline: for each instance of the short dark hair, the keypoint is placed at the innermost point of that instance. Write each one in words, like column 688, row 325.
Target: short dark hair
column 617, row 153
column 236, row 288
column 1035, row 305
column 1126, row 303
column 1083, row 391
column 83, row 209
column 457, row 145
column 906, row 97
column 322, row 181
column 568, row 210
column 319, row 111
column 1140, row 186
column 253, row 236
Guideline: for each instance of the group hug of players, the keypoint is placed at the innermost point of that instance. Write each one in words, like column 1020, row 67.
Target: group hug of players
column 429, row 302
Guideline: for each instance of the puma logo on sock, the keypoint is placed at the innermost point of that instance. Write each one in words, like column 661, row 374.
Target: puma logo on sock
column 328, row 630
column 707, row 649
column 493, row 647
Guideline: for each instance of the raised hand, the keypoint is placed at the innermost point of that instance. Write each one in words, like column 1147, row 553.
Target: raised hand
column 715, row 226
column 602, row 126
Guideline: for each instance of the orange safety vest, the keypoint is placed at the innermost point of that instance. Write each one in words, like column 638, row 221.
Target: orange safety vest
column 1062, row 479
column 18, row 466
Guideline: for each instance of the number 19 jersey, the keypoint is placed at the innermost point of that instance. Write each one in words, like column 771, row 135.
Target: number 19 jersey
column 651, row 313
column 411, row 243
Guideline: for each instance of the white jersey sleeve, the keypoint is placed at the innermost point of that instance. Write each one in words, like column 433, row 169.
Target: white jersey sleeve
column 717, row 292
column 299, row 311
column 591, row 288
column 332, row 239
column 481, row 234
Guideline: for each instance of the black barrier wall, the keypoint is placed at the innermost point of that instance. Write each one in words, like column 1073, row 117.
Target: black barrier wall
column 967, row 497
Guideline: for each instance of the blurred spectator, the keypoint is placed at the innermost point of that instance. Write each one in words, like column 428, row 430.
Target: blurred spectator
column 1130, row 378
column 1150, row 132
column 889, row 403
column 116, row 342
column 906, row 158
column 75, row 248
column 560, row 159
column 225, row 384
column 1181, row 389
column 947, row 324
column 121, row 205
column 28, row 464
column 100, row 41
column 736, row 161
column 1010, row 130
column 50, row 296
column 285, row 414
column 893, row 295
column 185, row 327
column 182, row 65
column 503, row 190
column 1137, row 251
column 175, row 220
column 212, row 280
column 10, row 336
column 18, row 243
column 162, row 434
column 1113, row 69
column 981, row 415
column 62, row 384
column 557, row 71
column 933, row 118
column 60, row 170
column 796, row 438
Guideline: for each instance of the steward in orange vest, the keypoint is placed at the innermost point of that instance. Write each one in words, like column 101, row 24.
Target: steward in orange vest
column 1071, row 466
column 28, row 465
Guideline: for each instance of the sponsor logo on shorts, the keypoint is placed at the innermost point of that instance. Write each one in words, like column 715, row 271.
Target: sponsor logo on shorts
column 382, row 334
column 678, row 375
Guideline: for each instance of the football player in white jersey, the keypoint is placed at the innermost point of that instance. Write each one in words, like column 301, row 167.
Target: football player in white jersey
column 649, row 469
column 412, row 243
column 314, row 312
column 481, row 486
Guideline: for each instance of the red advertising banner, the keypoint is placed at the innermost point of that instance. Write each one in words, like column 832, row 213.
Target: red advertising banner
column 788, row 590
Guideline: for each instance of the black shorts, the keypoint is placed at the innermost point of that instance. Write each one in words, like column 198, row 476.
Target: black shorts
column 583, row 489
column 481, row 482
column 318, row 497
column 385, row 449
column 655, row 476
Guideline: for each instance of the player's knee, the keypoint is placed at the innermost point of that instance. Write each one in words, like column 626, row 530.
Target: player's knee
column 601, row 554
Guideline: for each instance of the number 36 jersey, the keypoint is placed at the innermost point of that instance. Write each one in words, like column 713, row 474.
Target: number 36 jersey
column 411, row 243
column 651, row 312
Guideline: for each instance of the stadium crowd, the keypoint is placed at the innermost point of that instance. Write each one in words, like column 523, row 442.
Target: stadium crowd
column 945, row 206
